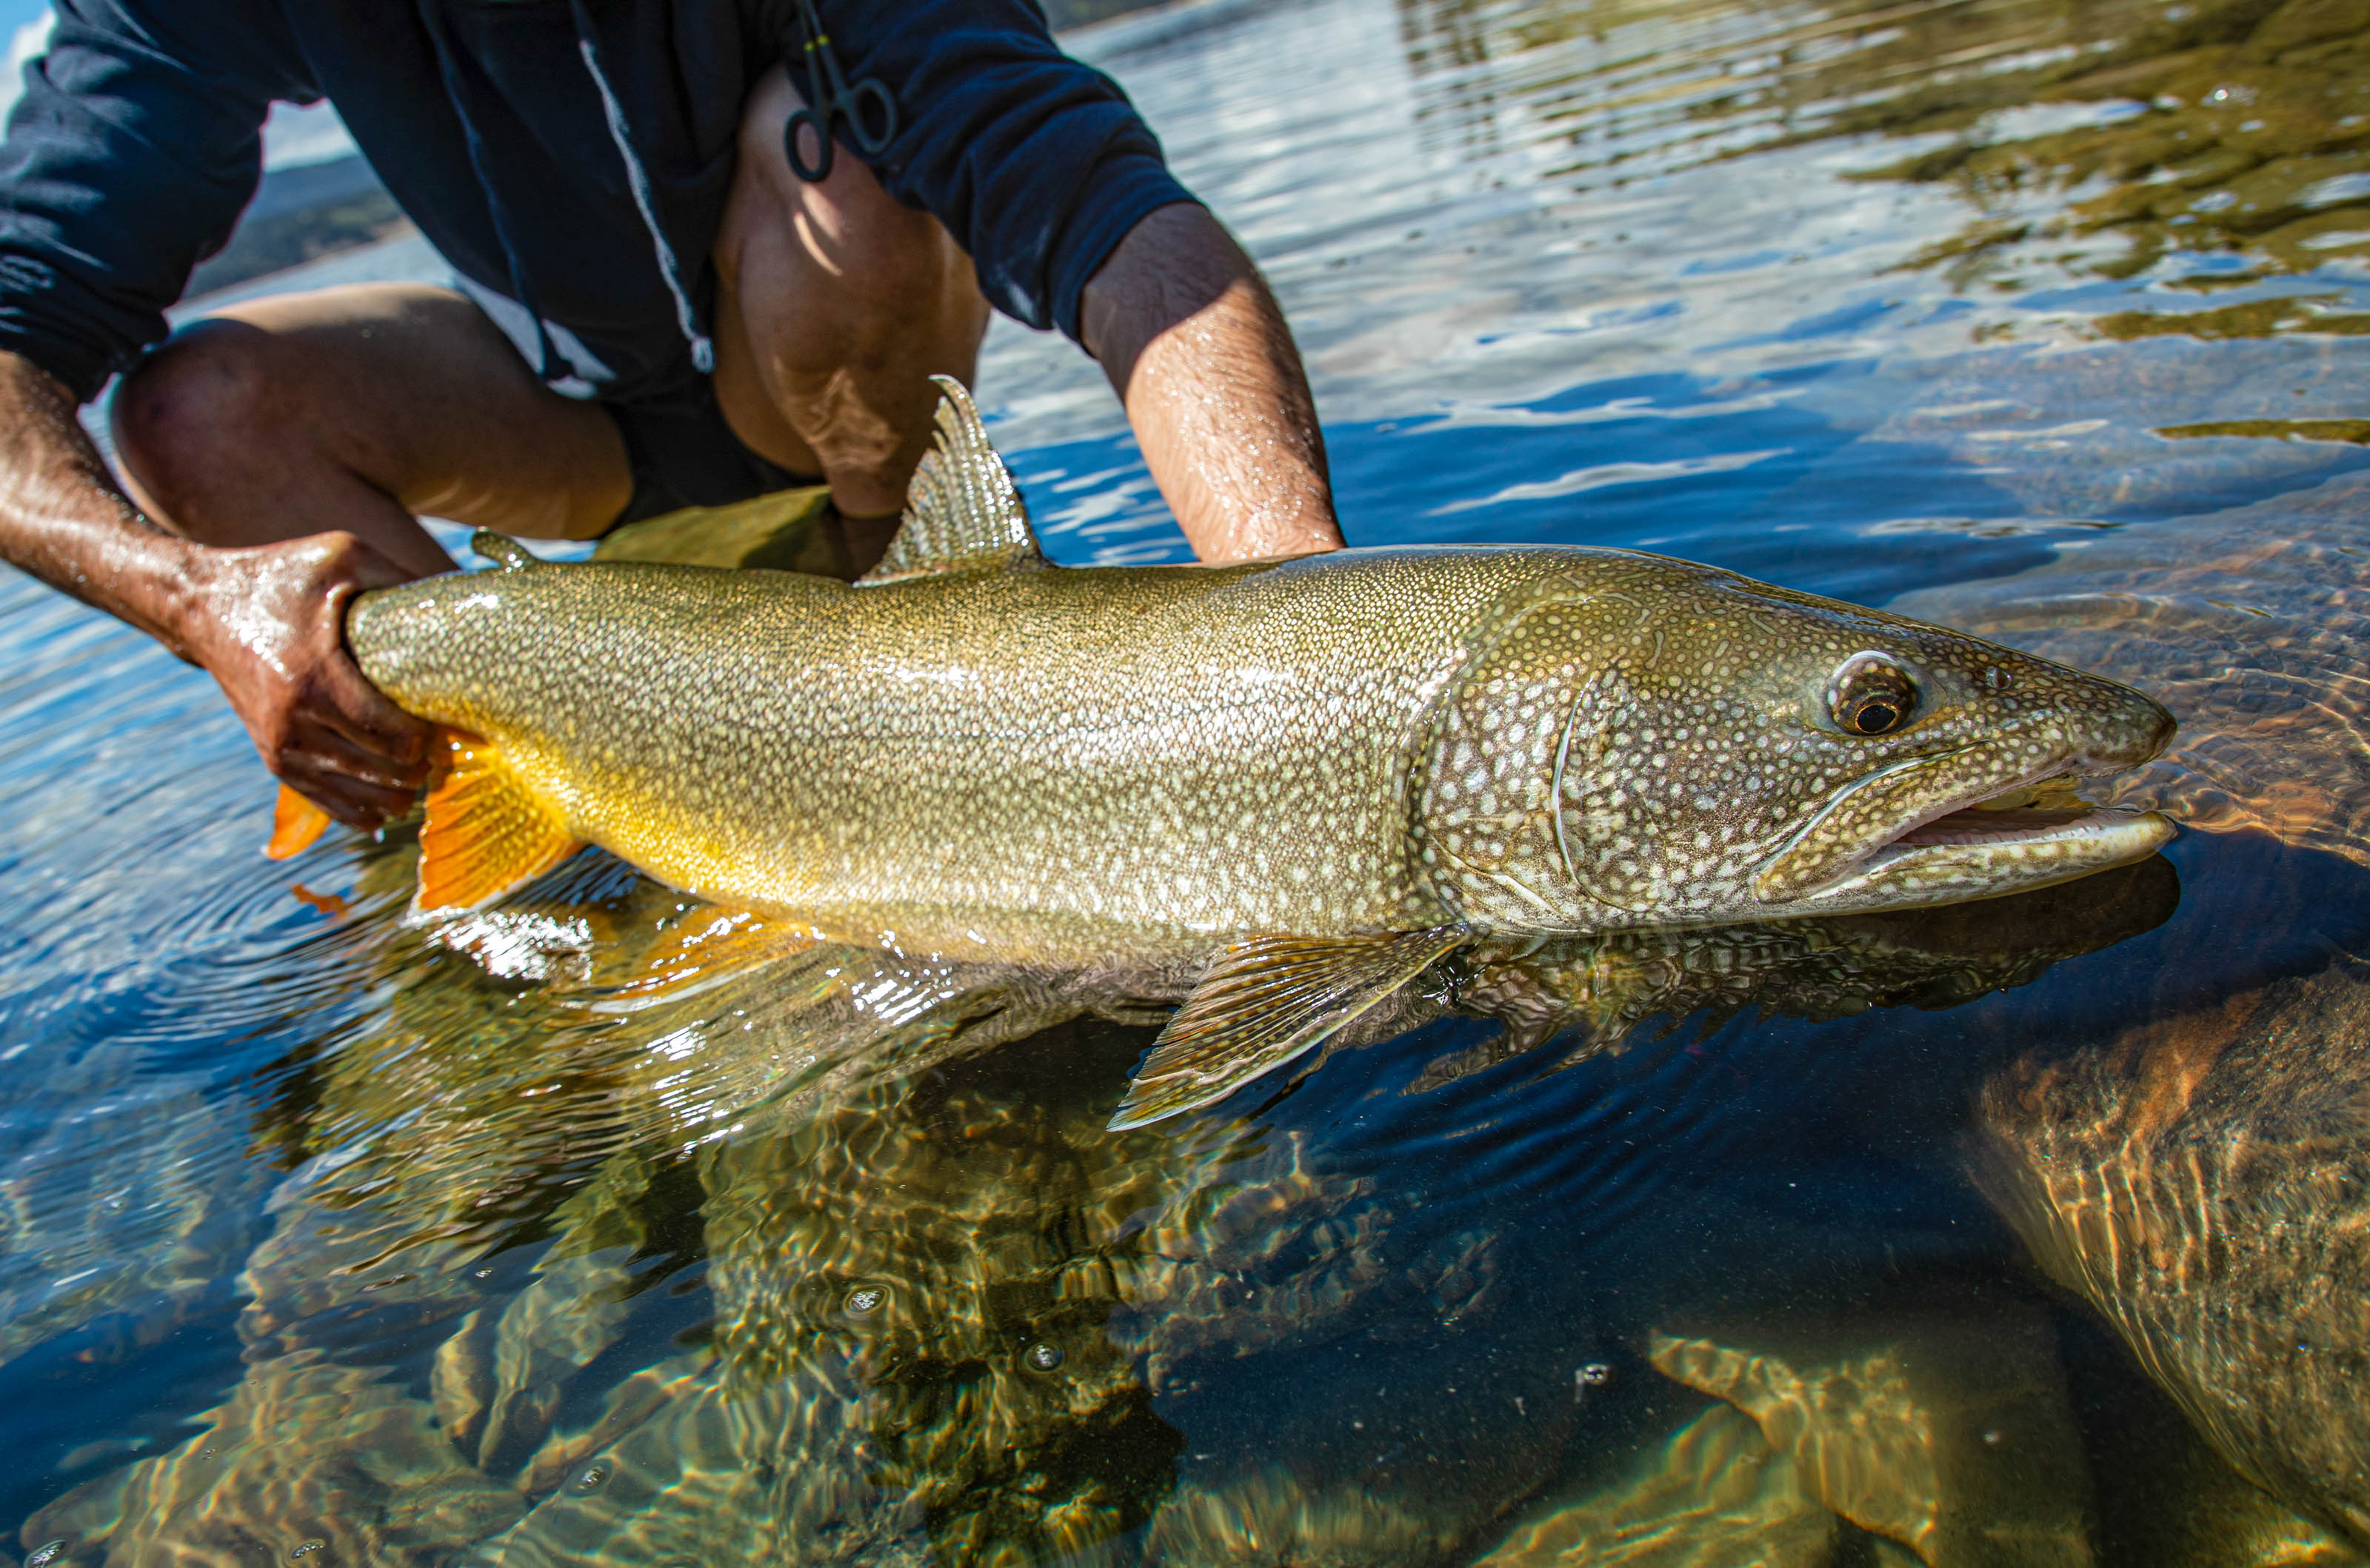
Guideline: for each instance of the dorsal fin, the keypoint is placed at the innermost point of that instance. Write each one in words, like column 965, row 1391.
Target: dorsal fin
column 962, row 511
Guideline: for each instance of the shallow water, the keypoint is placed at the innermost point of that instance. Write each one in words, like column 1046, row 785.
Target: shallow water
column 326, row 1241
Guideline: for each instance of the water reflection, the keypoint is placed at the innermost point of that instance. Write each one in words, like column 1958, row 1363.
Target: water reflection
column 2097, row 137
column 842, row 1255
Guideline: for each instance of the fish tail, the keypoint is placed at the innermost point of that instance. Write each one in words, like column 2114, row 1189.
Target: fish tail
column 297, row 823
column 487, row 829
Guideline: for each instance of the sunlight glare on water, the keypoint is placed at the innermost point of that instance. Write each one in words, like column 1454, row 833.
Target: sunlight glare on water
column 2022, row 1232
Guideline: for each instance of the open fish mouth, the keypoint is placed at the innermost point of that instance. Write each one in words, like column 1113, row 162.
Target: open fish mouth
column 2027, row 836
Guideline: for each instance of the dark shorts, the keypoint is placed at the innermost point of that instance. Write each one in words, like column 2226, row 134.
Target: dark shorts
column 690, row 458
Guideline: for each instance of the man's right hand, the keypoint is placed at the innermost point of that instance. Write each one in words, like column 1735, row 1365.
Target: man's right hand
column 268, row 623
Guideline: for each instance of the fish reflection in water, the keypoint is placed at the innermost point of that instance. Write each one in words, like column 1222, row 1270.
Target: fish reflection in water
column 1593, row 994
column 948, row 1307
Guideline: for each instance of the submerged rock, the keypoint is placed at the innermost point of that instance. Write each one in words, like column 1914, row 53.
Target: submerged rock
column 1715, row 1496
column 2204, row 1182
column 307, row 1462
column 1946, row 1430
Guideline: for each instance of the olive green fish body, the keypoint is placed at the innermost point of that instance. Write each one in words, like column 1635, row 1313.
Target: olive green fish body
column 1322, row 774
column 1044, row 763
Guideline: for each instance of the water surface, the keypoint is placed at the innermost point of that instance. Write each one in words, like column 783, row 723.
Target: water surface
column 327, row 1241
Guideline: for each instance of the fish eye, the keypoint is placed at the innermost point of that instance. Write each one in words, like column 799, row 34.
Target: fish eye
column 1871, row 694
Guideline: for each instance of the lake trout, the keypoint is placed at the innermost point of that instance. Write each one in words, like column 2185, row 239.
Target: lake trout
column 1306, row 779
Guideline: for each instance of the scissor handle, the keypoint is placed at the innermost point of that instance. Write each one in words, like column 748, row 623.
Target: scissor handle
column 820, row 171
column 853, row 104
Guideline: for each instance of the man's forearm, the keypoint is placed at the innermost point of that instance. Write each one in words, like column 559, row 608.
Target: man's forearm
column 1198, row 352
column 63, row 519
column 266, row 621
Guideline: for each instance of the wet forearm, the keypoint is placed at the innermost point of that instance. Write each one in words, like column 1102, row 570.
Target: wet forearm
column 65, row 520
column 1189, row 335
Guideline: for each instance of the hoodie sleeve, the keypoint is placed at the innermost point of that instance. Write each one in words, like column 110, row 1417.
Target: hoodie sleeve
column 127, row 162
column 1035, row 162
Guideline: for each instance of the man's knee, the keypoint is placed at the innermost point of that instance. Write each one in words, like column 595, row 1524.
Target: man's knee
column 214, row 389
column 877, row 249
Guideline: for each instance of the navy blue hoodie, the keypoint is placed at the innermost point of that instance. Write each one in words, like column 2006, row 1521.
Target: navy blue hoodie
column 576, row 153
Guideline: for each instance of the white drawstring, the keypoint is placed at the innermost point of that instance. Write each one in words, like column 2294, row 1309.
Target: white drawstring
column 703, row 351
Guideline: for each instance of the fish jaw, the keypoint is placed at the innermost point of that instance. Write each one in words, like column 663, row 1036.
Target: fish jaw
column 1960, row 864
column 1963, row 823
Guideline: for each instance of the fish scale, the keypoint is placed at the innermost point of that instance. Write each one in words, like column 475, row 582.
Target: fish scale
column 1309, row 778
column 1065, row 767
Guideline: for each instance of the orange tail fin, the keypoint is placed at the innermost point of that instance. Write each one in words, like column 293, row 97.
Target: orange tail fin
column 486, row 830
column 295, row 824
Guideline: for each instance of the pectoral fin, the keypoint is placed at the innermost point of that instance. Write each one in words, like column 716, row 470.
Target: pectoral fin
column 1263, row 1003
column 295, row 824
column 486, row 830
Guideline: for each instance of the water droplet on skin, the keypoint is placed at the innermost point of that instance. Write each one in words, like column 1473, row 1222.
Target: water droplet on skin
column 45, row 1554
column 866, row 1299
column 1043, row 1357
column 589, row 1479
column 310, row 1547
column 485, row 1274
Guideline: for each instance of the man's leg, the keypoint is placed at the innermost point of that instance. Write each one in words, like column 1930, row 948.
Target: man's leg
column 357, row 408
column 835, row 306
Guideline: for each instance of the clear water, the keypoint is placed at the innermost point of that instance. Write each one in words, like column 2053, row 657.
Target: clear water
column 329, row 1242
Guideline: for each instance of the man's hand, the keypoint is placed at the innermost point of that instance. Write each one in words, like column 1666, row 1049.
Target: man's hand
column 268, row 623
column 1188, row 334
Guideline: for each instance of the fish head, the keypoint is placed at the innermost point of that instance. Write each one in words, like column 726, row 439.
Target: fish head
column 1651, row 742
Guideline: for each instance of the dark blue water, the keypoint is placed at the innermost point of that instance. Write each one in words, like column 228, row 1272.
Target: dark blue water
column 324, row 1241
